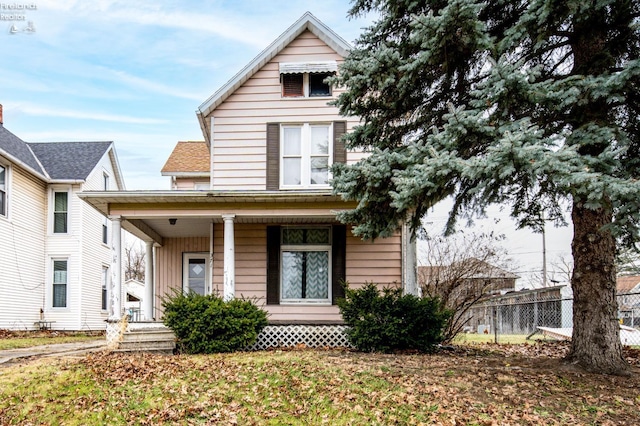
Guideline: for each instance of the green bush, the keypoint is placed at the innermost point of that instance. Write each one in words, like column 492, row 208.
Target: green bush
column 207, row 324
column 388, row 320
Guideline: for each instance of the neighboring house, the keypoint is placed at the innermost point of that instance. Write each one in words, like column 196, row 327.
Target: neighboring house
column 134, row 294
column 188, row 166
column 55, row 250
column 628, row 290
column 520, row 312
column 467, row 278
column 265, row 226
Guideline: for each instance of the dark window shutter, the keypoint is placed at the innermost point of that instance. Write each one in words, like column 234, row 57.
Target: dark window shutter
column 339, row 149
column 338, row 261
column 273, row 265
column 273, row 156
column 292, row 85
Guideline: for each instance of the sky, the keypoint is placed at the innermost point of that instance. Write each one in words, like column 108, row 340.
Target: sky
column 134, row 72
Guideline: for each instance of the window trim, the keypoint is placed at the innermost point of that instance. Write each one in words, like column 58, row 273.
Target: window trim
column 52, row 201
column 105, row 231
column 306, row 86
column 305, row 154
column 104, row 288
column 53, row 283
column 4, row 213
column 186, row 256
column 328, row 248
column 106, row 180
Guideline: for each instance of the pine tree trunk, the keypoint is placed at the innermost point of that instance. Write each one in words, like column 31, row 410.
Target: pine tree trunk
column 595, row 345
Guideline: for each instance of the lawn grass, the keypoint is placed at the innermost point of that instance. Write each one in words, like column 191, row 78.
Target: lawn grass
column 312, row 388
column 511, row 339
column 27, row 341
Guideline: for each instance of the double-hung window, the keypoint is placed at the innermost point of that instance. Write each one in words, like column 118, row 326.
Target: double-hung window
column 306, row 264
column 306, row 155
column 3, row 190
column 60, row 212
column 105, row 288
column 60, row 282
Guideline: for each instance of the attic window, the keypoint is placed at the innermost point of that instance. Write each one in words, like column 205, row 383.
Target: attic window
column 292, row 85
column 306, row 79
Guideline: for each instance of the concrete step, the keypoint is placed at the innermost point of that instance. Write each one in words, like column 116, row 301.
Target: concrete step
column 157, row 340
column 149, row 336
column 158, row 346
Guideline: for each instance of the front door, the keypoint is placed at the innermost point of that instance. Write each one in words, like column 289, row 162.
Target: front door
column 196, row 273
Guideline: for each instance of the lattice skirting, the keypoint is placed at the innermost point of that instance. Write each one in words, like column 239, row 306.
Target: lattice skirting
column 312, row 336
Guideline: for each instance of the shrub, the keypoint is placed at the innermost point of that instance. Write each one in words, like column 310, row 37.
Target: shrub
column 388, row 320
column 207, row 324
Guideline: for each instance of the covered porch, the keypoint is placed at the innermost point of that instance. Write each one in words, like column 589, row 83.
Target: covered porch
column 250, row 245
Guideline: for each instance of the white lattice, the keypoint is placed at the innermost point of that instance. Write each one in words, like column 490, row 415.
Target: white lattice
column 115, row 331
column 312, row 336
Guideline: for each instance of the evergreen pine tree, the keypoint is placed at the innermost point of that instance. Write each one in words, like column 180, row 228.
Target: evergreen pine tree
column 527, row 103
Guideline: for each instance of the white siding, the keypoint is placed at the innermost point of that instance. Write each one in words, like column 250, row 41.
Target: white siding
column 239, row 139
column 94, row 254
column 22, row 252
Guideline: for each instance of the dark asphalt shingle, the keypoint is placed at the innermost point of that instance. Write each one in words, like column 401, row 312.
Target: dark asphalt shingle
column 17, row 148
column 69, row 160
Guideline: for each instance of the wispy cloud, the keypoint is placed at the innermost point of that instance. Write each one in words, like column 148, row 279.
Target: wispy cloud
column 36, row 110
column 152, row 86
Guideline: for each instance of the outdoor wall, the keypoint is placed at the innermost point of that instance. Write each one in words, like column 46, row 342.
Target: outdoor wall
column 239, row 129
column 22, row 253
column 378, row 262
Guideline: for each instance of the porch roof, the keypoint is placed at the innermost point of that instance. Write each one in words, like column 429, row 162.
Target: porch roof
column 146, row 214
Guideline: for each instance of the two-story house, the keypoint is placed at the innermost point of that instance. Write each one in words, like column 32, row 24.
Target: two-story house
column 251, row 211
column 55, row 250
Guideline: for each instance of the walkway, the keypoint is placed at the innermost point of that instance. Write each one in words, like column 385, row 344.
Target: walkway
column 8, row 356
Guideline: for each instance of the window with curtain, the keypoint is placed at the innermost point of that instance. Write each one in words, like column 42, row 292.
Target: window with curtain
column 59, row 284
column 306, row 264
column 60, row 212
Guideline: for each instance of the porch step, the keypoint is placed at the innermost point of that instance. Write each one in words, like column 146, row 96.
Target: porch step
column 157, row 340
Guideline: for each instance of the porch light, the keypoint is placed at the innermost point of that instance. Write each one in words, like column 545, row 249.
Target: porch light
column 173, row 221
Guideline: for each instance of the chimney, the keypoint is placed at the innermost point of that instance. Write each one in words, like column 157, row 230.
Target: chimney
column 1, row 119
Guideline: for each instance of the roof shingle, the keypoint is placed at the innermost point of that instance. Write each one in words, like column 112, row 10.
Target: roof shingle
column 188, row 157
column 69, row 160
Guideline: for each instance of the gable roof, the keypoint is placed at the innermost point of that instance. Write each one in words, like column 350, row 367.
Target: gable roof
column 188, row 158
column 69, row 160
column 306, row 22
column 17, row 150
column 627, row 283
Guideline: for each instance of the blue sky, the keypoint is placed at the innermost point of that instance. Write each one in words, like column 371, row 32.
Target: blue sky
column 134, row 72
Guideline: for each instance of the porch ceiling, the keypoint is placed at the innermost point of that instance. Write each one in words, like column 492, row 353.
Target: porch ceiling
column 146, row 214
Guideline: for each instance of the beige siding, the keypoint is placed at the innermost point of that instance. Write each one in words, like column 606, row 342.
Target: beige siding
column 239, row 131
column 22, row 251
column 377, row 262
column 168, row 273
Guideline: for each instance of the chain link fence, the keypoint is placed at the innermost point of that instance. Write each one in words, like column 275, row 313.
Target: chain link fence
column 549, row 314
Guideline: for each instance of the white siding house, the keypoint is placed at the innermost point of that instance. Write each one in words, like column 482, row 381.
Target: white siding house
column 55, row 251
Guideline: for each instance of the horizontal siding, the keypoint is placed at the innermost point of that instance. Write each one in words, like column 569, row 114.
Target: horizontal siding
column 22, row 253
column 168, row 272
column 378, row 262
column 239, row 147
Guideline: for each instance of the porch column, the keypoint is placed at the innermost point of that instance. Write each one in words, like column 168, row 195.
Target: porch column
column 116, row 269
column 409, row 261
column 148, row 283
column 229, row 288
